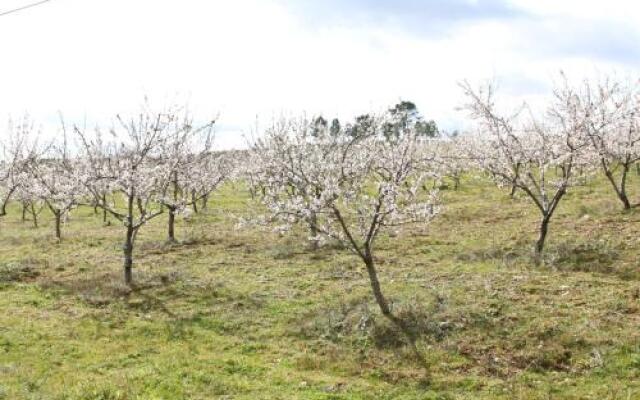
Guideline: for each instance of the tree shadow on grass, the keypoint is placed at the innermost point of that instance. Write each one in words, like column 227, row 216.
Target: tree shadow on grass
column 102, row 289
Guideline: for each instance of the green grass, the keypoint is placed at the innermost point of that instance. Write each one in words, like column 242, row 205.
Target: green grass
column 251, row 315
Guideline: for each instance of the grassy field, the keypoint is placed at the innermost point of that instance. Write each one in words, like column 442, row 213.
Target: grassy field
column 251, row 315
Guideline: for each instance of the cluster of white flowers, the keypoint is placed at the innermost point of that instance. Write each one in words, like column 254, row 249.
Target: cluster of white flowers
column 345, row 185
column 586, row 127
column 611, row 110
column 158, row 159
column 155, row 161
column 18, row 150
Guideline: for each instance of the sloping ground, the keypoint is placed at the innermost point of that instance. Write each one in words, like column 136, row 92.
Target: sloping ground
column 250, row 315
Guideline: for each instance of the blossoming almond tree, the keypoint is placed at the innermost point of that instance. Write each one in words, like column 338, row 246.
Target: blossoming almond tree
column 18, row 148
column 195, row 171
column 30, row 204
column 349, row 188
column 55, row 181
column 452, row 154
column 94, row 158
column 277, row 157
column 177, row 158
column 248, row 169
column 540, row 158
column 612, row 110
column 129, row 164
column 211, row 170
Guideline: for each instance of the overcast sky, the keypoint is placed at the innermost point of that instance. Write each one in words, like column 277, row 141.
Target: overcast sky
column 251, row 60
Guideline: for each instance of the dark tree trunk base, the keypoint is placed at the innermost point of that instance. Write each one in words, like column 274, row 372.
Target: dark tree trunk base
column 397, row 322
column 128, row 256
column 539, row 248
column 58, row 228
column 171, row 237
column 128, row 275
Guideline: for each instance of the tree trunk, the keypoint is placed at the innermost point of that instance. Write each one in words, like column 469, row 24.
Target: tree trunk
column 7, row 197
column 194, row 203
column 375, row 287
column 205, row 201
column 383, row 304
column 104, row 209
column 313, row 230
column 172, row 208
column 623, row 188
column 542, row 235
column 621, row 191
column 626, row 204
column 171, row 226
column 514, row 188
column 24, row 212
column 58, row 216
column 128, row 256
column 34, row 215
column 128, row 241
